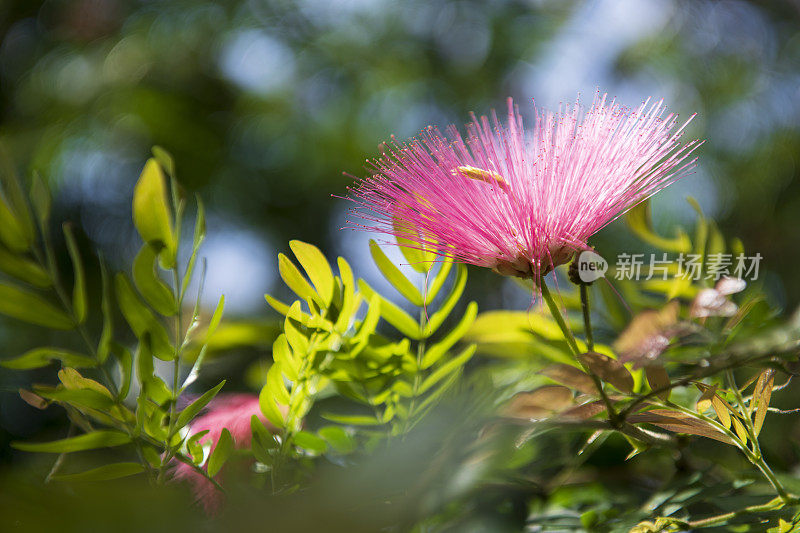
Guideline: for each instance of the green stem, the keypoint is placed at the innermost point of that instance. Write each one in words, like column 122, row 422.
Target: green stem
column 570, row 338
column 717, row 520
column 587, row 321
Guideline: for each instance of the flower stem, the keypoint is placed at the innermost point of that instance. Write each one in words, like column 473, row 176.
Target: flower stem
column 587, row 321
column 570, row 338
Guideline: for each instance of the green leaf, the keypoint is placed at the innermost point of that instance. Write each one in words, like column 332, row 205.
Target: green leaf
column 338, row 439
column 353, row 420
column 221, row 452
column 79, row 305
column 87, row 441
column 164, row 159
column 39, row 357
column 125, row 360
column 438, row 280
column 188, row 414
column 392, row 313
column 216, row 318
column 394, row 276
column 23, row 269
column 106, row 334
column 437, row 318
column 277, row 387
column 262, row 441
column 12, row 234
column 310, row 442
column 436, row 351
column 152, row 288
column 449, row 367
column 282, row 355
column 40, row 199
column 350, row 302
column 417, row 256
column 28, row 307
column 295, row 281
column 269, row 408
column 141, row 320
column 151, row 212
column 87, row 398
column 640, row 222
column 370, row 321
column 317, row 268
column 16, row 197
column 297, row 340
column 103, row 473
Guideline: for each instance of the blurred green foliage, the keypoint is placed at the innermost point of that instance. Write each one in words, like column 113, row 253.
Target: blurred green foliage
column 264, row 103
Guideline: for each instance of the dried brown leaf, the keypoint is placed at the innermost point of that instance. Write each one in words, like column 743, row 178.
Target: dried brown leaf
column 571, row 377
column 609, row 370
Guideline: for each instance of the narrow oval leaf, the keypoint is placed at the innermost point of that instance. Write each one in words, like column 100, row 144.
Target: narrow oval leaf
column 392, row 313
column 39, row 357
column 609, row 370
column 79, row 305
column 141, row 320
column 452, row 365
column 151, row 212
column 658, row 378
column 540, row 402
column 393, row 275
column 293, row 279
column 572, row 377
column 762, row 394
column 435, row 352
column 269, row 408
column 28, row 307
column 23, row 269
column 438, row 318
column 438, row 280
column 103, row 473
column 87, row 441
column 188, row 414
column 418, row 257
column 221, row 452
column 309, row 441
column 152, row 288
column 317, row 268
column 12, row 234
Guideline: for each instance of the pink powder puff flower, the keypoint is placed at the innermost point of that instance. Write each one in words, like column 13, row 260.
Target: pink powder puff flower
column 522, row 204
column 231, row 411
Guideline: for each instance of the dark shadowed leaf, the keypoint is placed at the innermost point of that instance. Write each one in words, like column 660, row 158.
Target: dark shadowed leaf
column 103, row 473
column 221, row 452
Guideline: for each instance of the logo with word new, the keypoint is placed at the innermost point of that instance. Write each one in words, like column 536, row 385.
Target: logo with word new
column 591, row 266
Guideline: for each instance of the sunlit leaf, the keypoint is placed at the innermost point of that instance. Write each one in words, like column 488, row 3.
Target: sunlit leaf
column 392, row 313
column 393, row 275
column 452, row 365
column 152, row 215
column 295, row 281
column 191, row 411
column 437, row 350
column 317, row 268
column 221, row 452
column 418, row 256
column 762, row 395
column 437, row 318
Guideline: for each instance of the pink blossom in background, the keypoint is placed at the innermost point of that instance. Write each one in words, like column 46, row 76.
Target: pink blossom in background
column 522, row 204
column 231, row 411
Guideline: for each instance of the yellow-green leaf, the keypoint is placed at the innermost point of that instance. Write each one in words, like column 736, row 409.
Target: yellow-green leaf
column 151, row 212
column 26, row 306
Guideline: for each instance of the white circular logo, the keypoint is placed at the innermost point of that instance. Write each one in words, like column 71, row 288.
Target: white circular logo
column 591, row 266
